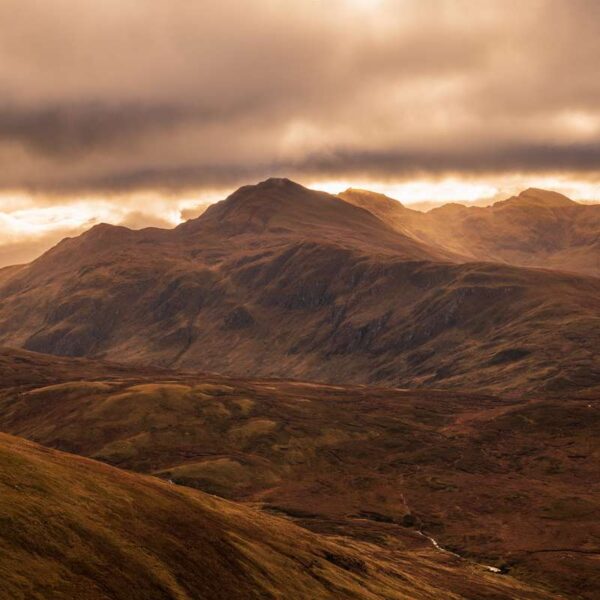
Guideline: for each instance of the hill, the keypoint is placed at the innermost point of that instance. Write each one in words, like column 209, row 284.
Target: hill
column 507, row 483
column 74, row 528
column 537, row 228
column 278, row 280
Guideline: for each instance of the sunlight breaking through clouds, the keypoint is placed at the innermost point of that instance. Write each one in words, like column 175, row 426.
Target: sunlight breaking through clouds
column 147, row 114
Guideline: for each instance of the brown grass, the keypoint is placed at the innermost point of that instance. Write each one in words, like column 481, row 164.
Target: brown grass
column 73, row 528
column 498, row 481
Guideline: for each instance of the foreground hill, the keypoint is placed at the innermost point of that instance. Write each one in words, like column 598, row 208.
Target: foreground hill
column 74, row 528
column 508, row 483
column 278, row 280
column 536, row 228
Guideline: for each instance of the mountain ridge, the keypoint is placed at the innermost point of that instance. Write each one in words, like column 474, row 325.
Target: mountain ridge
column 537, row 228
column 305, row 295
column 540, row 197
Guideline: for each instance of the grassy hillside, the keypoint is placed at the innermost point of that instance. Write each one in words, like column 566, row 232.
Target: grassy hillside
column 497, row 481
column 74, row 528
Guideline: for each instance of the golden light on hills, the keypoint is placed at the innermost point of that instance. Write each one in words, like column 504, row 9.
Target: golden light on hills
column 301, row 299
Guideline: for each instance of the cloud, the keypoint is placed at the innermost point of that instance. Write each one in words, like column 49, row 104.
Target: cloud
column 16, row 252
column 141, row 220
column 61, row 132
column 479, row 159
column 117, row 96
column 193, row 213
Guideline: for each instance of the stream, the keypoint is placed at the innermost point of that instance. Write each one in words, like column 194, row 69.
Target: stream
column 437, row 546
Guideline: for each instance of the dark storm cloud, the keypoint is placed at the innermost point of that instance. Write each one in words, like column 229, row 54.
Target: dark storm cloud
column 168, row 95
column 575, row 158
column 402, row 164
column 63, row 131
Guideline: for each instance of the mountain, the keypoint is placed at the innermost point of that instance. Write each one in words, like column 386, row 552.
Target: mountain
column 375, row 473
column 536, row 228
column 279, row 280
column 427, row 205
column 285, row 210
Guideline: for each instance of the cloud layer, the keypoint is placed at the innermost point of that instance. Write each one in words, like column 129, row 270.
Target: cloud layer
column 124, row 94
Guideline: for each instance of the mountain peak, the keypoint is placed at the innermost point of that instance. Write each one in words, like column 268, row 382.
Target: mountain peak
column 272, row 184
column 278, row 182
column 538, row 197
column 259, row 204
column 282, row 208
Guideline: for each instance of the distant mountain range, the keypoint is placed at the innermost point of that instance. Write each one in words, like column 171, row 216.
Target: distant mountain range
column 279, row 280
column 427, row 205
column 536, row 228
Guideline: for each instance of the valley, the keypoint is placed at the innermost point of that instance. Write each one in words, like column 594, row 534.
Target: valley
column 497, row 481
column 147, row 539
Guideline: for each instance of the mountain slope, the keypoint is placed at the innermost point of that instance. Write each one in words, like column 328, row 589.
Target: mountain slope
column 536, row 228
column 74, row 528
column 497, row 481
column 278, row 280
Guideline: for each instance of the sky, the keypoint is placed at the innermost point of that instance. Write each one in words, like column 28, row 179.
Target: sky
column 142, row 112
